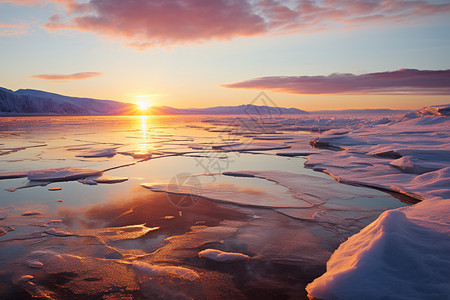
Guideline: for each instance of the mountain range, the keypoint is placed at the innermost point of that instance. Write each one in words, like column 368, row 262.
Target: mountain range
column 35, row 102
column 28, row 102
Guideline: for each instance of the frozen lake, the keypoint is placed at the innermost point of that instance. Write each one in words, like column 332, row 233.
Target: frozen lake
column 119, row 207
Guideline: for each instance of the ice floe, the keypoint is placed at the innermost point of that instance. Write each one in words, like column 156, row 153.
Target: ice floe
column 31, row 213
column 61, row 174
column 227, row 193
column 222, row 256
column 55, row 189
column 154, row 270
column 251, row 147
column 108, row 152
column 32, row 263
column 293, row 153
column 11, row 175
column 107, row 179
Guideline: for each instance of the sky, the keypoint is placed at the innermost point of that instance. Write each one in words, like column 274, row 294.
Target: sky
column 312, row 55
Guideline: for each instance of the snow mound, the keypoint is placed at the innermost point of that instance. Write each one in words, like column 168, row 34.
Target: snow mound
column 61, row 174
column 222, row 256
column 158, row 270
column 58, row 232
column 391, row 256
column 409, row 164
column 437, row 110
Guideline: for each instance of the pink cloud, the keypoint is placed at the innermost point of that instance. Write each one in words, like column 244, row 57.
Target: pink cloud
column 8, row 29
column 67, row 77
column 72, row 6
column 167, row 22
column 403, row 81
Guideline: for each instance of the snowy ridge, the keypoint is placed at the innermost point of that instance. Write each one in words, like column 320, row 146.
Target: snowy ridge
column 405, row 253
column 245, row 109
column 33, row 102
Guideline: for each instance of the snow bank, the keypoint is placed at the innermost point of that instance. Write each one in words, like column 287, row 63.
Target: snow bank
column 58, row 232
column 405, row 253
column 391, row 258
column 222, row 256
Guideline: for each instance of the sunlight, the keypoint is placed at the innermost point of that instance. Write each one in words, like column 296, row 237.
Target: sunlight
column 143, row 105
column 144, row 126
column 143, row 102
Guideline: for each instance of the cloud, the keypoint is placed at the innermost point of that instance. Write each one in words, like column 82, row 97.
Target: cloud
column 403, row 81
column 8, row 29
column 68, row 77
column 168, row 22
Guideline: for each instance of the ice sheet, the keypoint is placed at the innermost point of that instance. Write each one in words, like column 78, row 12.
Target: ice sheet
column 405, row 252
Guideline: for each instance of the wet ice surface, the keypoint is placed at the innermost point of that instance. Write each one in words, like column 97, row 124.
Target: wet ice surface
column 165, row 207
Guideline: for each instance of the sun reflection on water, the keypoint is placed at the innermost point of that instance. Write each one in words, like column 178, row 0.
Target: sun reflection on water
column 144, row 146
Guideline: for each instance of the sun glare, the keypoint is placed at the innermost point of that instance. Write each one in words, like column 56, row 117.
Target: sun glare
column 143, row 105
column 144, row 102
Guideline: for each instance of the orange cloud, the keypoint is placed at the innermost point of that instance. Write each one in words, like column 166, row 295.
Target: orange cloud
column 403, row 81
column 168, row 22
column 68, row 77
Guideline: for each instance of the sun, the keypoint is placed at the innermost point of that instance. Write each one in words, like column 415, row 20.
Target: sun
column 143, row 105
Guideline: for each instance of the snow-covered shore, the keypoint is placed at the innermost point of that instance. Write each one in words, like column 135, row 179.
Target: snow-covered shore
column 405, row 253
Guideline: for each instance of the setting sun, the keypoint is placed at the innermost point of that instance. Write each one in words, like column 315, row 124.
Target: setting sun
column 143, row 105
column 143, row 102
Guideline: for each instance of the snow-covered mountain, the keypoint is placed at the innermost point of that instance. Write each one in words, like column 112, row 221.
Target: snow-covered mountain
column 246, row 109
column 34, row 102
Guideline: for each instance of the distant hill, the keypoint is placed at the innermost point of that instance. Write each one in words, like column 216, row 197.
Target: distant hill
column 34, row 102
column 246, row 109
